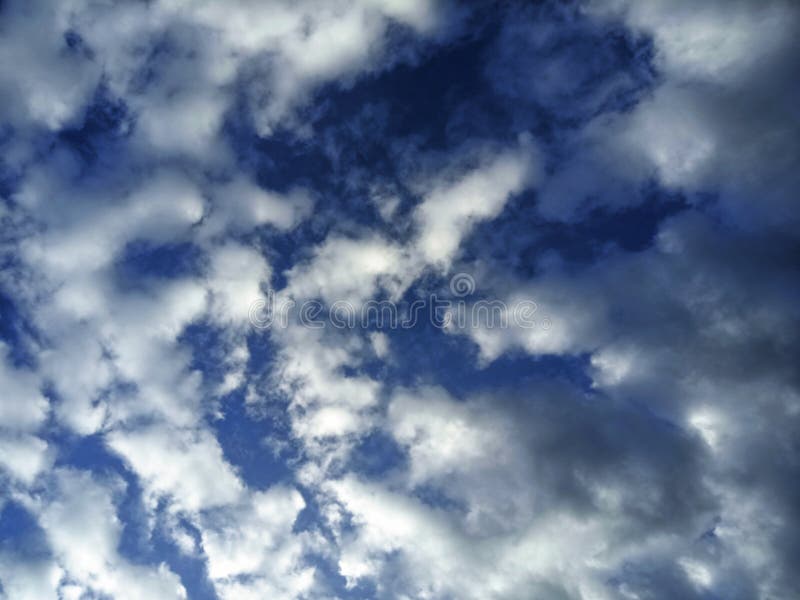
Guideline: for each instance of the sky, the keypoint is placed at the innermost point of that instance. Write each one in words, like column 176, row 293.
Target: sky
column 399, row 299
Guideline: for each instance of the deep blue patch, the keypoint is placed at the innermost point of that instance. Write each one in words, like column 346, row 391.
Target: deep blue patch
column 241, row 432
column 376, row 454
column 519, row 237
column 20, row 533
column 16, row 333
column 97, row 139
column 142, row 263
column 244, row 438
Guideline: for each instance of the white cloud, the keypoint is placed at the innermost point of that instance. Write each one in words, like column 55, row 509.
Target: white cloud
column 350, row 270
column 452, row 208
column 537, row 493
column 196, row 475
column 684, row 346
column 183, row 127
column 443, row 437
column 24, row 456
column 235, row 279
column 23, row 410
column 329, row 411
column 163, row 209
column 718, row 41
column 251, row 549
column 557, row 511
column 435, row 559
column 84, row 531
column 718, row 120
column 41, row 83
column 380, row 344
column 22, row 405
column 240, row 205
column 324, row 402
column 307, row 43
column 29, row 579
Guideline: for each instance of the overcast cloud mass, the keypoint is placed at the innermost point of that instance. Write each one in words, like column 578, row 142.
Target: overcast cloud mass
column 611, row 186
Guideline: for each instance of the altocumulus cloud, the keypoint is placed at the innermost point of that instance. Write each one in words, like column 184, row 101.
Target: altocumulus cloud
column 629, row 170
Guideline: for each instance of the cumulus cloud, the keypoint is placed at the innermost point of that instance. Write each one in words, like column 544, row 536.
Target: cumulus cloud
column 723, row 104
column 603, row 498
column 30, row 580
column 83, row 530
column 329, row 410
column 251, row 550
column 684, row 346
column 23, row 406
column 450, row 208
column 195, row 477
column 167, row 164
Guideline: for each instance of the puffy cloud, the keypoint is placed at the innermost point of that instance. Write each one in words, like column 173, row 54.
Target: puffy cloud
column 195, row 477
column 719, row 42
column 470, row 189
column 24, row 456
column 326, row 405
column 240, row 205
column 73, row 285
column 22, row 405
column 47, row 85
column 29, row 579
column 451, row 208
column 23, row 410
column 235, row 278
column 350, row 270
column 83, row 530
column 283, row 49
column 150, row 195
column 681, row 340
column 721, row 108
column 558, row 511
column 252, row 551
column 331, row 410
column 296, row 47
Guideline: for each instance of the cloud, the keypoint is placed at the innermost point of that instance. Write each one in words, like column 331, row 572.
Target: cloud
column 49, row 85
column 329, row 410
column 195, row 477
column 450, row 208
column 22, row 405
column 558, row 511
column 23, row 410
column 166, row 163
column 24, row 456
column 83, row 530
column 722, row 105
column 681, row 341
column 349, row 270
column 252, row 551
column 30, row 580
column 239, row 205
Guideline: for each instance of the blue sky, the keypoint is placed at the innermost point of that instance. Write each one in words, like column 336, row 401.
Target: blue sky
column 601, row 198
